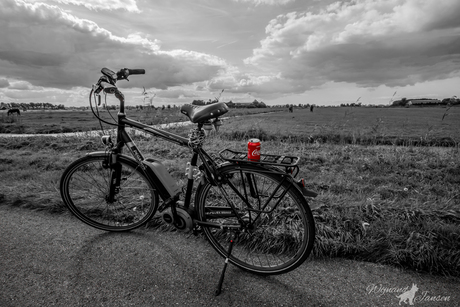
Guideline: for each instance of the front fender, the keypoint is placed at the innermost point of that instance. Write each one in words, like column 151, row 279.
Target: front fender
column 146, row 169
column 106, row 154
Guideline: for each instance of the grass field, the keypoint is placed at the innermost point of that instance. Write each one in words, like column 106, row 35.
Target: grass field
column 438, row 126
column 396, row 205
column 62, row 121
column 387, row 126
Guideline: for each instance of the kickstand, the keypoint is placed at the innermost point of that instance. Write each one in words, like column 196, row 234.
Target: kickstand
column 221, row 280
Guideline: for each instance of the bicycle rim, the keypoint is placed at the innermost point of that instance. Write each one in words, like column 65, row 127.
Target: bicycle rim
column 85, row 187
column 282, row 237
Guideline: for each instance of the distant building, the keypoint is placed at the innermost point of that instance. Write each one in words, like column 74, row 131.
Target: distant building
column 416, row 102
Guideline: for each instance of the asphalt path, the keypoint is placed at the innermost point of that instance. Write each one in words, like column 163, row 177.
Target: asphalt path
column 55, row 260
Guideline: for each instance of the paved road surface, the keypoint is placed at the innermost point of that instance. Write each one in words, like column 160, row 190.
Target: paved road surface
column 55, row 260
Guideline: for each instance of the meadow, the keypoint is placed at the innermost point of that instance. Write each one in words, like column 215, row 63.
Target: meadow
column 387, row 178
column 65, row 121
column 435, row 126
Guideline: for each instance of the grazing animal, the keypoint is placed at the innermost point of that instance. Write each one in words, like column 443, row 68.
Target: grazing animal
column 408, row 295
column 290, row 109
column 12, row 111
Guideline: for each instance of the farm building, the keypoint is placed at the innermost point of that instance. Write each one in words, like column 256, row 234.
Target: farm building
column 416, row 102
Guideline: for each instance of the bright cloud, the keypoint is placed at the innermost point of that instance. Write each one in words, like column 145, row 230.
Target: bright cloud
column 267, row 2
column 100, row 5
column 367, row 42
column 51, row 47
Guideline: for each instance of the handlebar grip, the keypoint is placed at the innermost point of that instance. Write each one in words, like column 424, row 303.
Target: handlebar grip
column 136, row 71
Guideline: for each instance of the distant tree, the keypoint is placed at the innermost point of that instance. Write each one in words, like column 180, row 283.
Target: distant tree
column 198, row 102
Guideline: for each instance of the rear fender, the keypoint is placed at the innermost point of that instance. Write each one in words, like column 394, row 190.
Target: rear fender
column 298, row 183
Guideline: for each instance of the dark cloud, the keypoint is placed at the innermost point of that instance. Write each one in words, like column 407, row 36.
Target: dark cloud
column 4, row 83
column 32, row 58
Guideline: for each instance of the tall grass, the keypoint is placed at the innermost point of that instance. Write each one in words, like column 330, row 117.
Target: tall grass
column 11, row 123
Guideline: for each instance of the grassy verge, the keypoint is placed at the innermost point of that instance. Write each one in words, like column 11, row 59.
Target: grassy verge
column 385, row 204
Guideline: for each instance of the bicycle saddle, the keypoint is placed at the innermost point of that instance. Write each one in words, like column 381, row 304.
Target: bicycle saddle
column 198, row 114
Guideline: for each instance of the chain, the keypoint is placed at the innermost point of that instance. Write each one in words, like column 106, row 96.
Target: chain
column 196, row 138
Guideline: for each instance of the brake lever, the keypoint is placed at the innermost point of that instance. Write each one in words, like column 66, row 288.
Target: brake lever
column 97, row 88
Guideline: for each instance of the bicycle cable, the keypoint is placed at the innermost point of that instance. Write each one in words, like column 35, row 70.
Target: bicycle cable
column 107, row 108
column 96, row 113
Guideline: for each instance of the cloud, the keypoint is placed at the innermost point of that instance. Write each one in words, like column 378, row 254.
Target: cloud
column 176, row 93
column 367, row 42
column 267, row 2
column 4, row 83
column 128, row 5
column 47, row 46
column 20, row 85
column 23, row 91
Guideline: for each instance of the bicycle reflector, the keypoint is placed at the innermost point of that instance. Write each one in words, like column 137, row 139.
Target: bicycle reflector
column 305, row 192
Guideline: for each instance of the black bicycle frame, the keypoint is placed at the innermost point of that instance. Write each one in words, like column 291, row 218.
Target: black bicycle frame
column 209, row 168
column 123, row 138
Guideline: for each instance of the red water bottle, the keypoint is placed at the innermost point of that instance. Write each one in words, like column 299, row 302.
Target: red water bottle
column 254, row 150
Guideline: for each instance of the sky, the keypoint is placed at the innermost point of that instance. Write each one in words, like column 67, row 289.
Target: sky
column 319, row 52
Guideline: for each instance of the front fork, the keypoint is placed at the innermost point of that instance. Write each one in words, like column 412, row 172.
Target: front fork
column 115, row 177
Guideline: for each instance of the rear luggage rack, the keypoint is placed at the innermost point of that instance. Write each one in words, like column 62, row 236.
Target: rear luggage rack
column 276, row 160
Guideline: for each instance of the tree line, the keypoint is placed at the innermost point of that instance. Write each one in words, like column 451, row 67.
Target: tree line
column 31, row 106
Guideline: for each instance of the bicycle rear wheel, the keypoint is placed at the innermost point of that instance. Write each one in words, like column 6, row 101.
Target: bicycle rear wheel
column 278, row 240
column 85, row 186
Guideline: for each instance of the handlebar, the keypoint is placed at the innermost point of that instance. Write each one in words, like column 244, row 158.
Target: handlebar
column 125, row 72
column 121, row 74
column 108, row 80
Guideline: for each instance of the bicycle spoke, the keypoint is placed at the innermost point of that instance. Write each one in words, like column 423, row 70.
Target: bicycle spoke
column 85, row 186
column 277, row 239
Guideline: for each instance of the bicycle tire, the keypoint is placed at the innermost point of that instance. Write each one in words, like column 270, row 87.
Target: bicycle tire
column 280, row 241
column 84, row 188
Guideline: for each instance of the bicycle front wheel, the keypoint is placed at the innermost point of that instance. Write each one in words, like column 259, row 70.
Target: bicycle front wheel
column 85, row 187
column 281, row 230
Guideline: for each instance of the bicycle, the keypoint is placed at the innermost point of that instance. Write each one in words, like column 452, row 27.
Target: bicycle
column 253, row 213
